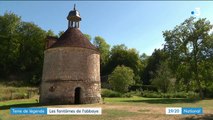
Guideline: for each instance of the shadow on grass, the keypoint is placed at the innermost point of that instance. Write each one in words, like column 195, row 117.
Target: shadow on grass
column 164, row 100
column 25, row 105
column 5, row 107
column 200, row 117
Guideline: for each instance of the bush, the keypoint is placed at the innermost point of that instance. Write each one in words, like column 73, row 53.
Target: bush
column 109, row 93
column 149, row 88
column 151, row 94
column 192, row 95
column 105, row 85
column 209, row 91
column 19, row 96
column 121, row 78
column 135, row 93
column 180, row 95
column 9, row 93
column 5, row 97
column 127, row 95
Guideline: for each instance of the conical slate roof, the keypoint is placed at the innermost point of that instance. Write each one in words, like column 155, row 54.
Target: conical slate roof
column 73, row 37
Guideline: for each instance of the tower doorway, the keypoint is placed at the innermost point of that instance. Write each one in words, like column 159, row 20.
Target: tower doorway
column 77, row 95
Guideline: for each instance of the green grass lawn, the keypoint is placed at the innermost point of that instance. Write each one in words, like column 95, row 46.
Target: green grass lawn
column 116, row 109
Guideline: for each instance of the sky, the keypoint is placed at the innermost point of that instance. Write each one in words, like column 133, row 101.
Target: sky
column 137, row 24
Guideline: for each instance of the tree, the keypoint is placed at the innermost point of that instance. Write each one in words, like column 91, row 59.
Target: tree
column 190, row 43
column 88, row 37
column 9, row 23
column 104, row 48
column 31, row 48
column 152, row 65
column 121, row 78
column 50, row 33
column 21, row 48
column 60, row 33
column 121, row 55
column 163, row 78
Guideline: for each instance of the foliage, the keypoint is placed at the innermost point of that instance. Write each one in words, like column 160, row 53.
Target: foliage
column 127, row 95
column 121, row 55
column 21, row 48
column 163, row 79
column 152, row 94
column 190, row 44
column 121, row 78
column 209, row 91
column 132, row 94
column 109, row 93
column 152, row 63
column 60, row 33
column 50, row 33
column 88, row 37
column 9, row 24
column 104, row 49
column 10, row 93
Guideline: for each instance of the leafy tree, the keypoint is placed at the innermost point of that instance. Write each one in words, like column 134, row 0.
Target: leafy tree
column 163, row 78
column 121, row 55
column 104, row 49
column 21, row 48
column 60, row 33
column 50, row 33
column 31, row 41
column 190, row 44
column 144, row 57
column 9, row 24
column 88, row 37
column 121, row 78
column 152, row 64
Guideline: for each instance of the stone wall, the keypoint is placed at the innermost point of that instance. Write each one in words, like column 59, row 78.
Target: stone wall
column 67, row 68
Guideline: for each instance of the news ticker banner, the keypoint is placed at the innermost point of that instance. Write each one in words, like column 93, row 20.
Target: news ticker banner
column 55, row 111
column 93, row 111
column 183, row 111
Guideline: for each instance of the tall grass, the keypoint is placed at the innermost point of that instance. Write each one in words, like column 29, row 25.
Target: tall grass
column 11, row 92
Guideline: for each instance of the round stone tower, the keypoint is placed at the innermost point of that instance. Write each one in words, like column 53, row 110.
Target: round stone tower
column 71, row 70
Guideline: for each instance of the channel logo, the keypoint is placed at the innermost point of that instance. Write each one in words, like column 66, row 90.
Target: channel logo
column 196, row 12
column 183, row 111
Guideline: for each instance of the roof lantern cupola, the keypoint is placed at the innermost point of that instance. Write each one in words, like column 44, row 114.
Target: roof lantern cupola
column 73, row 18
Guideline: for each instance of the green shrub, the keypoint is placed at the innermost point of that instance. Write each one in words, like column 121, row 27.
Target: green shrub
column 121, row 78
column 209, row 91
column 151, row 94
column 192, row 95
column 135, row 93
column 105, row 85
column 127, row 95
column 5, row 97
column 18, row 96
column 109, row 93
column 9, row 93
column 180, row 95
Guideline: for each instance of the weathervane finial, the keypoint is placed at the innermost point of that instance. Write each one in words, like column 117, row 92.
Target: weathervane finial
column 74, row 7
